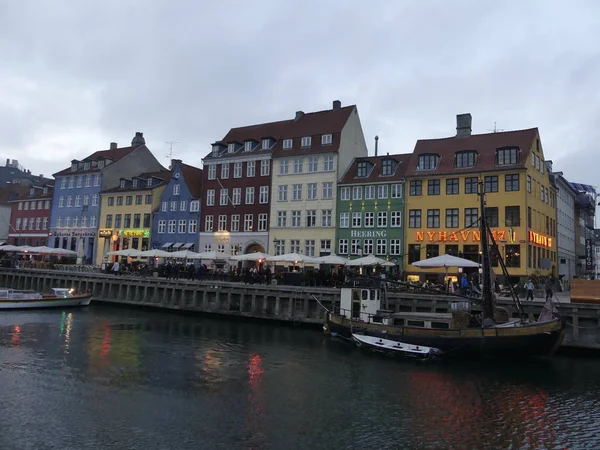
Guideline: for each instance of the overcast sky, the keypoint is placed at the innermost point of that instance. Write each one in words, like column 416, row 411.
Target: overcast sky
column 76, row 75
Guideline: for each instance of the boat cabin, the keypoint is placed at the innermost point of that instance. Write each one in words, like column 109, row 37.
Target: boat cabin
column 62, row 292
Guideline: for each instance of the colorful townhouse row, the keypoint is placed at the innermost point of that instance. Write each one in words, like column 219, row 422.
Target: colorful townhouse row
column 307, row 185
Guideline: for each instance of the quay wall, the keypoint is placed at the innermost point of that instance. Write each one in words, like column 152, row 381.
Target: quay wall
column 277, row 303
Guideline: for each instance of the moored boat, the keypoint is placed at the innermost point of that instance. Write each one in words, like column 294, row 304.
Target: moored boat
column 58, row 298
column 394, row 348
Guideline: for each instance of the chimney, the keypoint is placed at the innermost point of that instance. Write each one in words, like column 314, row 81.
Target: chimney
column 174, row 162
column 113, row 145
column 336, row 104
column 463, row 125
column 7, row 162
column 376, row 144
column 549, row 165
column 138, row 139
column 299, row 115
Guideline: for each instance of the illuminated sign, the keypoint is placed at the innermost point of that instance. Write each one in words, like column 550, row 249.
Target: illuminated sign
column 463, row 235
column 222, row 237
column 105, row 233
column 540, row 239
column 368, row 233
column 135, row 233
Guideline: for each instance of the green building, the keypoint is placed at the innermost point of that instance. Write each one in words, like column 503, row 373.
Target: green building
column 370, row 208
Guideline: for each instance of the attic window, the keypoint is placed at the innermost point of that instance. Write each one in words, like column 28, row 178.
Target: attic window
column 306, row 141
column 465, row 159
column 122, row 183
column 266, row 144
column 326, row 139
column 248, row 146
column 231, row 148
column 149, row 182
column 45, row 190
column 135, row 183
column 362, row 169
column 387, row 167
column 73, row 166
column 428, row 162
column 86, row 166
column 31, row 191
column 507, row 156
column 100, row 164
column 107, row 161
column 287, row 144
column 215, row 150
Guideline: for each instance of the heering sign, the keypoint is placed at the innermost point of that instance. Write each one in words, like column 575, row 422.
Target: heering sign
column 462, row 236
column 540, row 239
column 368, row 234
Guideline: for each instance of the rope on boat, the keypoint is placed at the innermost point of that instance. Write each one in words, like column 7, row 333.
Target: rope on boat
column 579, row 326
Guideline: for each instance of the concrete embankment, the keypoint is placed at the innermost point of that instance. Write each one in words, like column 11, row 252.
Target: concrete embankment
column 276, row 303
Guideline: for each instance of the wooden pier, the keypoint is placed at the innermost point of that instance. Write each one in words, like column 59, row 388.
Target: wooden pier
column 277, row 303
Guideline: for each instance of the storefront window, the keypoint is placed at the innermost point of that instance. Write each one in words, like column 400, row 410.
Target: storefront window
column 414, row 253
column 452, row 249
column 433, row 250
column 471, row 252
column 513, row 256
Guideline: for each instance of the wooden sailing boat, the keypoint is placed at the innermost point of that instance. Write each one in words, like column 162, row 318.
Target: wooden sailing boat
column 462, row 332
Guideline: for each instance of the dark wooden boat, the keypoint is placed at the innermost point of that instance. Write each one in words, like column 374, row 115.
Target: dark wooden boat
column 465, row 331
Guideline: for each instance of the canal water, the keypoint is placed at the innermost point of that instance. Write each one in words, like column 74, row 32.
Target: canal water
column 116, row 378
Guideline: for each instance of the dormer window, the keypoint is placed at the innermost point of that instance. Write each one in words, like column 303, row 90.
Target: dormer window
column 387, row 167
column 248, row 146
column 507, row 156
column 231, row 148
column 306, row 140
column 107, row 161
column 46, row 190
column 122, row 184
column 362, row 169
column 465, row 159
column 149, row 182
column 31, row 191
column 134, row 183
column 86, row 166
column 73, row 166
column 100, row 164
column 215, row 150
column 266, row 144
column 287, row 144
column 428, row 162
column 326, row 139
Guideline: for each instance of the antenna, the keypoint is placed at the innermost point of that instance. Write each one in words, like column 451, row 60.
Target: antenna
column 170, row 155
column 496, row 130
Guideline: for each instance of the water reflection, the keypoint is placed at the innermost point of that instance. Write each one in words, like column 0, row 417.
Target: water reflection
column 255, row 416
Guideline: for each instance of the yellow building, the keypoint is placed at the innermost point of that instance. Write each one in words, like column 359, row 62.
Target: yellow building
column 126, row 213
column 442, row 205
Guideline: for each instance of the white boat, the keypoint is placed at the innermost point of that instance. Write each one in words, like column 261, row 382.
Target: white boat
column 394, row 347
column 58, row 298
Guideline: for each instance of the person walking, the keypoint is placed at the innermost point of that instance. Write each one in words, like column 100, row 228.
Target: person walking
column 549, row 292
column 116, row 268
column 529, row 287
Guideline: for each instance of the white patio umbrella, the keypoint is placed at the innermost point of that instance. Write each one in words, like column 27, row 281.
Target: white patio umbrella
column 370, row 261
column 63, row 251
column 291, row 257
column 45, row 250
column 251, row 256
column 445, row 261
column 185, row 254
column 212, row 255
column 129, row 252
column 155, row 253
column 331, row 259
column 9, row 248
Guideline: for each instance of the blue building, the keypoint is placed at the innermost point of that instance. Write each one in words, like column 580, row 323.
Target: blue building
column 76, row 201
column 175, row 222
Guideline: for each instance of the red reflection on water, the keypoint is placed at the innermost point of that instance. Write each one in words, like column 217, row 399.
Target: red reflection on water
column 15, row 336
column 255, row 423
column 255, row 370
column 105, row 347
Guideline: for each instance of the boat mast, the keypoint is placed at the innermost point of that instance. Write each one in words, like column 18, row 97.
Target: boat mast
column 487, row 302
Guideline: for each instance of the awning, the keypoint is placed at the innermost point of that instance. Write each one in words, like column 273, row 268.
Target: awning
column 179, row 244
column 188, row 245
column 168, row 244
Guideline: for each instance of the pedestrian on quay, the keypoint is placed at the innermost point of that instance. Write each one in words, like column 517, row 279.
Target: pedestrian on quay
column 549, row 291
column 529, row 287
column 116, row 268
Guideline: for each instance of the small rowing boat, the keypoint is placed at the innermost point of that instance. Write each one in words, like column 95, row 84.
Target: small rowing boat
column 58, row 298
column 395, row 348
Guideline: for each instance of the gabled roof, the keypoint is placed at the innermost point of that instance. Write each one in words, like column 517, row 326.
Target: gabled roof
column 583, row 188
column 375, row 174
column 315, row 124
column 193, row 179
column 114, row 155
column 38, row 194
column 163, row 175
column 12, row 192
column 484, row 144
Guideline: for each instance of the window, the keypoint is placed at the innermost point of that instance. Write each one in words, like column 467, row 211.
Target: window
column 237, row 170
column 326, row 216
column 172, row 225
column 357, row 192
column 235, row 222
column 251, row 168
column 248, row 222
column 295, row 245
column 396, row 217
column 311, row 218
column 326, row 139
column 109, row 221
column 266, row 144
column 328, row 163
column 511, row 182
column 507, row 156
column 471, row 217
column 212, row 171
column 225, row 171
column 362, row 169
column 192, row 226
column 283, row 189
column 173, row 206
column 387, row 167
column 356, row 219
column 47, row 204
column 343, row 246
column 248, row 146
column 396, row 191
column 432, row 250
column 491, row 183
column 265, row 167
column 327, row 191
column 127, row 221
column 345, row 220
column 369, row 219
column 452, row 186
column 542, row 193
column 88, row 180
column 176, row 188
column 283, row 167
column 138, row 199
column 452, row 218
column 70, row 201
column 210, row 199
column 20, row 207
column 147, row 220
column 313, row 164
column 263, row 195
column 306, row 141
column 465, row 159
column 110, row 201
column 427, row 162
column 182, row 225
column 129, row 200
column 137, row 220
column 222, row 223
column 368, row 247
column 76, row 203
column 528, row 184
column 414, row 218
column 311, row 191
column 381, row 246
column 513, row 255
column 296, row 218
column 416, row 187
column 249, row 196
column 382, row 191
column 63, row 183
column 282, row 218
column 236, row 198
column 382, row 219
column 471, row 184
column 118, row 220
column 369, row 192
column 279, row 247
column 452, row 249
column 97, row 180
column 208, row 223
column 529, row 216
column 195, row 205
column 149, row 182
column 345, row 193
column 58, row 222
column 309, row 247
column 433, row 218
column 491, row 216
column 433, row 187
column 45, row 224
column 182, row 204
column 61, row 201
column 395, row 247
column 287, row 144
column 119, row 201
column 71, row 186
column 298, row 165
column 231, row 148
column 296, row 192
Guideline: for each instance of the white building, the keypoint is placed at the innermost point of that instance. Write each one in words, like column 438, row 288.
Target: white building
column 565, row 220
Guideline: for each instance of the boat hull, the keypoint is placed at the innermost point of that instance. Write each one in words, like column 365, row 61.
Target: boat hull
column 394, row 348
column 537, row 339
column 47, row 302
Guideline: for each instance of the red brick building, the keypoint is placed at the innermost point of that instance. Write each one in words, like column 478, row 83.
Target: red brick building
column 30, row 216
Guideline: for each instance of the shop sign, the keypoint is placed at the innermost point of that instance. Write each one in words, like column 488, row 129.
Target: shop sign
column 464, row 236
column 368, row 233
column 589, row 255
column 540, row 239
column 135, row 233
column 105, row 233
